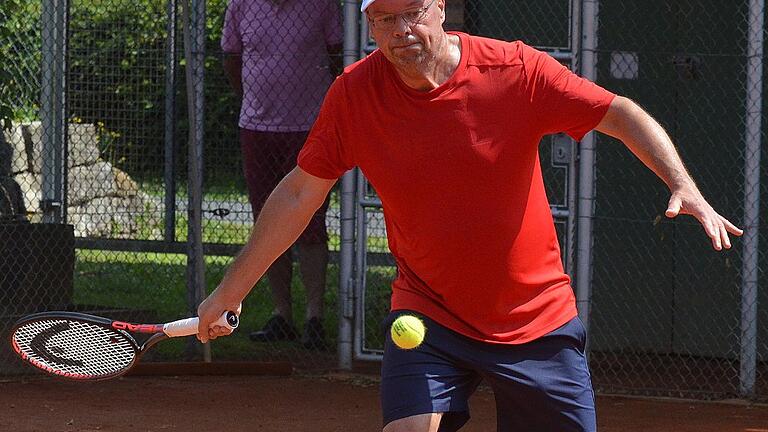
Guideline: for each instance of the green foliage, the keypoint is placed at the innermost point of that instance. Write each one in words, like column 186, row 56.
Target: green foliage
column 116, row 78
column 221, row 105
column 6, row 111
column 18, row 28
column 116, row 75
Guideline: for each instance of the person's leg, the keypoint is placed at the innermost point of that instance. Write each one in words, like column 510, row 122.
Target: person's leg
column 280, row 325
column 313, row 259
column 279, row 276
column 313, row 264
column 263, row 166
column 313, row 241
column 543, row 385
column 426, row 389
column 417, row 423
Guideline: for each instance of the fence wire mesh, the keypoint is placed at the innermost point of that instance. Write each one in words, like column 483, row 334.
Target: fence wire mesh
column 667, row 309
column 274, row 63
column 99, row 96
column 113, row 72
column 23, row 288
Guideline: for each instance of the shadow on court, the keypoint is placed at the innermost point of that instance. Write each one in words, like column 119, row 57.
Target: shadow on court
column 337, row 402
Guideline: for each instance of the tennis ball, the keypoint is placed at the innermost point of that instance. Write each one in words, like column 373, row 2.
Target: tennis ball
column 407, row 332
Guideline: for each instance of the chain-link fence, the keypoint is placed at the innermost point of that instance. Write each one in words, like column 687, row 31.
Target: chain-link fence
column 670, row 315
column 148, row 134
column 27, row 168
column 146, row 173
column 276, row 60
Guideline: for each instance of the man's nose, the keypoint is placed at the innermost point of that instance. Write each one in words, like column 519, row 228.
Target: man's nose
column 402, row 27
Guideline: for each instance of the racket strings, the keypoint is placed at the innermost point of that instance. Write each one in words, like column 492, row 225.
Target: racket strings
column 74, row 348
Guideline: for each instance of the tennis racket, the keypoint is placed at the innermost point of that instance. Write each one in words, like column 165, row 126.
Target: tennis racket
column 84, row 347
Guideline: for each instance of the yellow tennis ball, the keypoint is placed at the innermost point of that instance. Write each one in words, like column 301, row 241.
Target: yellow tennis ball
column 408, row 332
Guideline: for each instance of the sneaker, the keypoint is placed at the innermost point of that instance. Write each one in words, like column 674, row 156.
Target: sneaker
column 314, row 335
column 276, row 329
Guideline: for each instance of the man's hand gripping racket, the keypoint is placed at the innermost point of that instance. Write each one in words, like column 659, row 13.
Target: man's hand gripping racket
column 89, row 348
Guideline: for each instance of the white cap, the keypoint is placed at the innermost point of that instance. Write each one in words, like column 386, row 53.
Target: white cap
column 365, row 5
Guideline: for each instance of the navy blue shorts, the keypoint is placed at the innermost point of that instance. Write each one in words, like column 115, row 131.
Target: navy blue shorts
column 542, row 385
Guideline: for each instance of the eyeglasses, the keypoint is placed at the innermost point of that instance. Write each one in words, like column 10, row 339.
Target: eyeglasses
column 411, row 17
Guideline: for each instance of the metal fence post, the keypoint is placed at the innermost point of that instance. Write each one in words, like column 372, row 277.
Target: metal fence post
column 347, row 248
column 753, row 144
column 573, row 172
column 586, row 200
column 53, row 110
column 169, row 169
column 194, row 42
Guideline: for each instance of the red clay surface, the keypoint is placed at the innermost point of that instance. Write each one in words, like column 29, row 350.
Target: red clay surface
column 329, row 403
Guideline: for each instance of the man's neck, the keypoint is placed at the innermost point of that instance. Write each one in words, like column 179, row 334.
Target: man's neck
column 437, row 71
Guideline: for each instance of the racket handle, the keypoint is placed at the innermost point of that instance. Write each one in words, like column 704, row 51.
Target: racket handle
column 188, row 326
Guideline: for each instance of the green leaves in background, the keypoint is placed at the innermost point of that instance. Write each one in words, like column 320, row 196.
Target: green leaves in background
column 116, row 77
column 8, row 26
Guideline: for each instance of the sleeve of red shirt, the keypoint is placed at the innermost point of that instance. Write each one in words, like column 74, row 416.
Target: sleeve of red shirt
column 561, row 100
column 325, row 154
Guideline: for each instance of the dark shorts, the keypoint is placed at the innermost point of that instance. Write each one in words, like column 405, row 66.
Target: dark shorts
column 267, row 158
column 543, row 385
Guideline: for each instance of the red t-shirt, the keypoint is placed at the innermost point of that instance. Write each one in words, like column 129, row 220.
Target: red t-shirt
column 457, row 170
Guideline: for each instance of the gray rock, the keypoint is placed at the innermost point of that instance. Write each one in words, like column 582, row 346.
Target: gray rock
column 126, row 187
column 30, row 190
column 103, row 200
column 115, row 217
column 18, row 152
column 83, row 144
column 91, row 181
column 33, row 141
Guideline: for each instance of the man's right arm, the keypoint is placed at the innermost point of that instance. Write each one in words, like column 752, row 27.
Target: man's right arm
column 233, row 69
column 286, row 213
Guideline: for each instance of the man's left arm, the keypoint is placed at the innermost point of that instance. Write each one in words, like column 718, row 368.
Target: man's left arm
column 646, row 138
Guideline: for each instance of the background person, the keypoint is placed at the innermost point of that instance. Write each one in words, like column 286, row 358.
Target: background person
column 280, row 57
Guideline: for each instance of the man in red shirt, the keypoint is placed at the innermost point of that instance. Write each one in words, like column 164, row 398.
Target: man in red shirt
column 446, row 127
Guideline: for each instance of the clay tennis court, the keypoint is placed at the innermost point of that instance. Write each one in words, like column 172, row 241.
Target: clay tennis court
column 331, row 402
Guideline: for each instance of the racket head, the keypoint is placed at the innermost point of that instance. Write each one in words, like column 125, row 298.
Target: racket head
column 74, row 346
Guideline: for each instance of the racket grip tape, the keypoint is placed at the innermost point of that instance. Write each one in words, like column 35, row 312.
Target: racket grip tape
column 188, row 326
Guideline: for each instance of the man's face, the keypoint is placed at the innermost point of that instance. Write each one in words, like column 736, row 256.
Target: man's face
column 406, row 31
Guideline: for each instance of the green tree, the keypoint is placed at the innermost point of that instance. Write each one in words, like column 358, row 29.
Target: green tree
column 20, row 54
column 116, row 72
column 7, row 81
